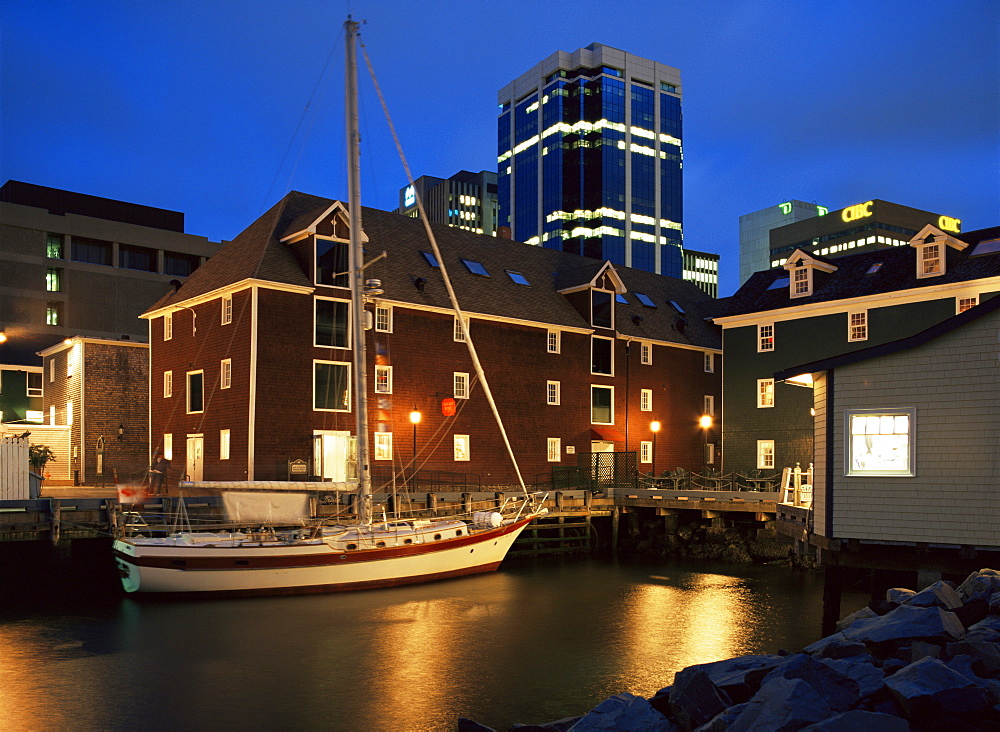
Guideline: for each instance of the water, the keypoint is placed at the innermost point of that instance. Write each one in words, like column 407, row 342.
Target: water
column 530, row 643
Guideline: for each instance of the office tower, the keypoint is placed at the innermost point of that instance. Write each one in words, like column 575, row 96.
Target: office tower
column 755, row 232
column 589, row 158
column 702, row 268
column 466, row 200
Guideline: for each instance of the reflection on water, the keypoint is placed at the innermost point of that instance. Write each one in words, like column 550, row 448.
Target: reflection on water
column 531, row 643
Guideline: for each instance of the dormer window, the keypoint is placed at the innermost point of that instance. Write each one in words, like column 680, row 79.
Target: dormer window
column 932, row 244
column 802, row 268
column 930, row 261
column 801, row 281
column 602, row 309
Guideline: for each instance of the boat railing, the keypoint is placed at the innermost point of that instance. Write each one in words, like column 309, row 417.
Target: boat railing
column 424, row 480
column 711, row 480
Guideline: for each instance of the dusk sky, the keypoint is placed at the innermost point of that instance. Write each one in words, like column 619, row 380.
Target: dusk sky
column 217, row 108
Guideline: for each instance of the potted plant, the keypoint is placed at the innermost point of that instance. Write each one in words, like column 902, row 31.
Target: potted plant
column 38, row 456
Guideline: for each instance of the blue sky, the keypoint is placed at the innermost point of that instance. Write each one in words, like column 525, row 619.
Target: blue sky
column 216, row 108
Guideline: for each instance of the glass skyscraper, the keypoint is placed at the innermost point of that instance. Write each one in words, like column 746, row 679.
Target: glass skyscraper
column 589, row 158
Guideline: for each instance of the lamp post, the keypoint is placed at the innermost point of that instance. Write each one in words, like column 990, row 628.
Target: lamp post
column 415, row 418
column 654, row 427
column 705, row 422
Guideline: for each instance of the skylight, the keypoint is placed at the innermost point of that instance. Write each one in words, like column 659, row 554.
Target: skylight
column 874, row 268
column 518, row 278
column 677, row 307
column 644, row 299
column 621, row 299
column 991, row 246
column 431, row 259
column 476, row 268
column 778, row 283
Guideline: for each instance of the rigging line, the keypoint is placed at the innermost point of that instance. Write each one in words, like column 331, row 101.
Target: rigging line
column 444, row 274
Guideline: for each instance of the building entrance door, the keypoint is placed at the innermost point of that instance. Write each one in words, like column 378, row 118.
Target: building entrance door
column 194, row 457
column 333, row 455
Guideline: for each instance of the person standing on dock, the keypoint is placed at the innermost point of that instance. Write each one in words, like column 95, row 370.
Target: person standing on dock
column 158, row 474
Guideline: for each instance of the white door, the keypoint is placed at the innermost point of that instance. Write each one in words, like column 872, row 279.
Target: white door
column 194, row 456
column 333, row 454
column 602, row 470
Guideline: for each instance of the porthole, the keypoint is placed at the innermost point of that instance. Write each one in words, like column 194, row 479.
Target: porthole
column 458, row 533
column 437, row 537
column 352, row 546
column 407, row 541
column 380, row 545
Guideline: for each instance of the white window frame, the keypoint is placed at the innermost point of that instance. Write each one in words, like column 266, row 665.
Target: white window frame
column 461, row 448
column 227, row 309
column 800, row 283
column 553, row 341
column 605, row 387
column 709, row 362
column 226, row 373
column 612, row 363
column 168, row 446
column 52, row 369
column 646, row 353
column 383, row 379
column 168, row 384
column 460, row 384
column 765, row 454
column 708, row 402
column 857, row 326
column 709, row 453
column 765, row 337
column 383, row 446
column 765, row 393
column 225, row 444
column 553, row 393
column 383, row 318
column 645, row 400
column 553, row 448
column 460, row 330
column 968, row 302
column 187, row 390
column 30, row 390
column 646, row 451
column 168, row 326
column 928, row 254
column 887, row 421
column 349, row 335
column 312, row 398
column 69, row 412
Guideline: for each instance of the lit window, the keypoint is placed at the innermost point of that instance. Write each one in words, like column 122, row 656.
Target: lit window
column 383, row 318
column 461, row 381
column 331, row 386
column 553, row 341
column 646, row 353
column 226, row 373
column 708, row 403
column 53, row 279
column 858, row 326
column 461, row 448
column 168, row 384
column 646, row 400
column 383, row 379
column 709, row 363
column 518, row 278
column 53, row 313
column 552, row 395
column 645, row 452
column 765, row 393
column 168, row 446
column 930, row 260
column 227, row 309
column 765, row 337
column 964, row 303
column 54, row 246
column 383, row 446
column 460, row 329
column 601, row 404
column 554, row 449
column 765, row 454
column 879, row 442
column 195, row 392
column 168, row 326
column 224, row 444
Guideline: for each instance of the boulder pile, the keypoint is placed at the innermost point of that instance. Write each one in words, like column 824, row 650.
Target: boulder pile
column 927, row 660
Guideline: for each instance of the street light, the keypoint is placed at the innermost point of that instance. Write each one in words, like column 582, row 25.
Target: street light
column 415, row 418
column 705, row 422
column 654, row 426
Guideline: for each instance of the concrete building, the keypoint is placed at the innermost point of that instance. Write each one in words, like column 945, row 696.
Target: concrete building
column 702, row 268
column 465, row 200
column 590, row 157
column 755, row 232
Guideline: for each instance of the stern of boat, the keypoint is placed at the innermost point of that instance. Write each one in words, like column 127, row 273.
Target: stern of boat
column 127, row 571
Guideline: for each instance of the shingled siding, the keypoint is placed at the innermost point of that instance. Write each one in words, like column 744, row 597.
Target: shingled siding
column 954, row 384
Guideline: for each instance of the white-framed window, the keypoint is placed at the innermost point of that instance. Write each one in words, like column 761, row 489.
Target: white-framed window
column 34, row 383
column 331, row 323
column 765, row 393
column 383, row 318
column 168, row 326
column 168, row 384
column 52, row 369
column 646, row 400
column 602, row 401
column 765, row 337
column 552, row 392
column 602, row 308
column 461, row 448
column 70, row 361
column 383, row 446
column 226, row 373
column 224, row 442
column 857, row 328
column 331, row 386
column 646, row 353
column 553, row 341
column 554, row 449
column 880, row 441
column 69, row 412
column 227, row 309
column 52, row 414
column 460, row 329
column 646, row 451
column 964, row 303
column 930, row 260
column 461, row 381
column 801, row 282
column 383, row 379
column 195, row 392
column 765, row 454
column 602, row 356
column 709, row 453
column 168, row 446
column 709, row 362
column 708, row 403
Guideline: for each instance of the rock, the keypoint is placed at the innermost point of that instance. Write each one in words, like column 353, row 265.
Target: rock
column 468, row 725
column 928, row 689
column 858, row 719
column 892, row 665
column 985, row 657
column 738, row 677
column 560, row 725
column 899, row 595
column 995, row 603
column 724, row 719
column 907, row 621
column 966, row 666
column 695, row 699
column 869, row 677
column 986, row 630
column 972, row 612
column 922, row 649
column 940, row 593
column 835, row 646
column 839, row 692
column 980, row 585
column 781, row 705
column 624, row 712
column 862, row 614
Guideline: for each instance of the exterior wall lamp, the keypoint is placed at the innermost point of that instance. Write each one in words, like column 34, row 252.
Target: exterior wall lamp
column 121, row 430
column 654, row 427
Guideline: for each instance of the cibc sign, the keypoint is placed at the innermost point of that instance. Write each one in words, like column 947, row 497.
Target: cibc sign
column 947, row 223
column 857, row 211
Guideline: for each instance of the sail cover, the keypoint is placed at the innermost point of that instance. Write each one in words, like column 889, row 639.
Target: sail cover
column 271, row 508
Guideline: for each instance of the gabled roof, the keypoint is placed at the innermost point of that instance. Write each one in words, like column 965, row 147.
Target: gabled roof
column 931, row 234
column 810, row 260
column 856, row 276
column 578, row 279
column 258, row 253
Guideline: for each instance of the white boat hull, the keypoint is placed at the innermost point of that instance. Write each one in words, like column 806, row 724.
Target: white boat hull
column 306, row 566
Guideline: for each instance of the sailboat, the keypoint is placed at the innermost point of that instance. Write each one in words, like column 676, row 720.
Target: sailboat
column 276, row 550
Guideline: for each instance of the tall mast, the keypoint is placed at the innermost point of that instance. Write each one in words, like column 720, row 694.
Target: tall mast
column 356, row 261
